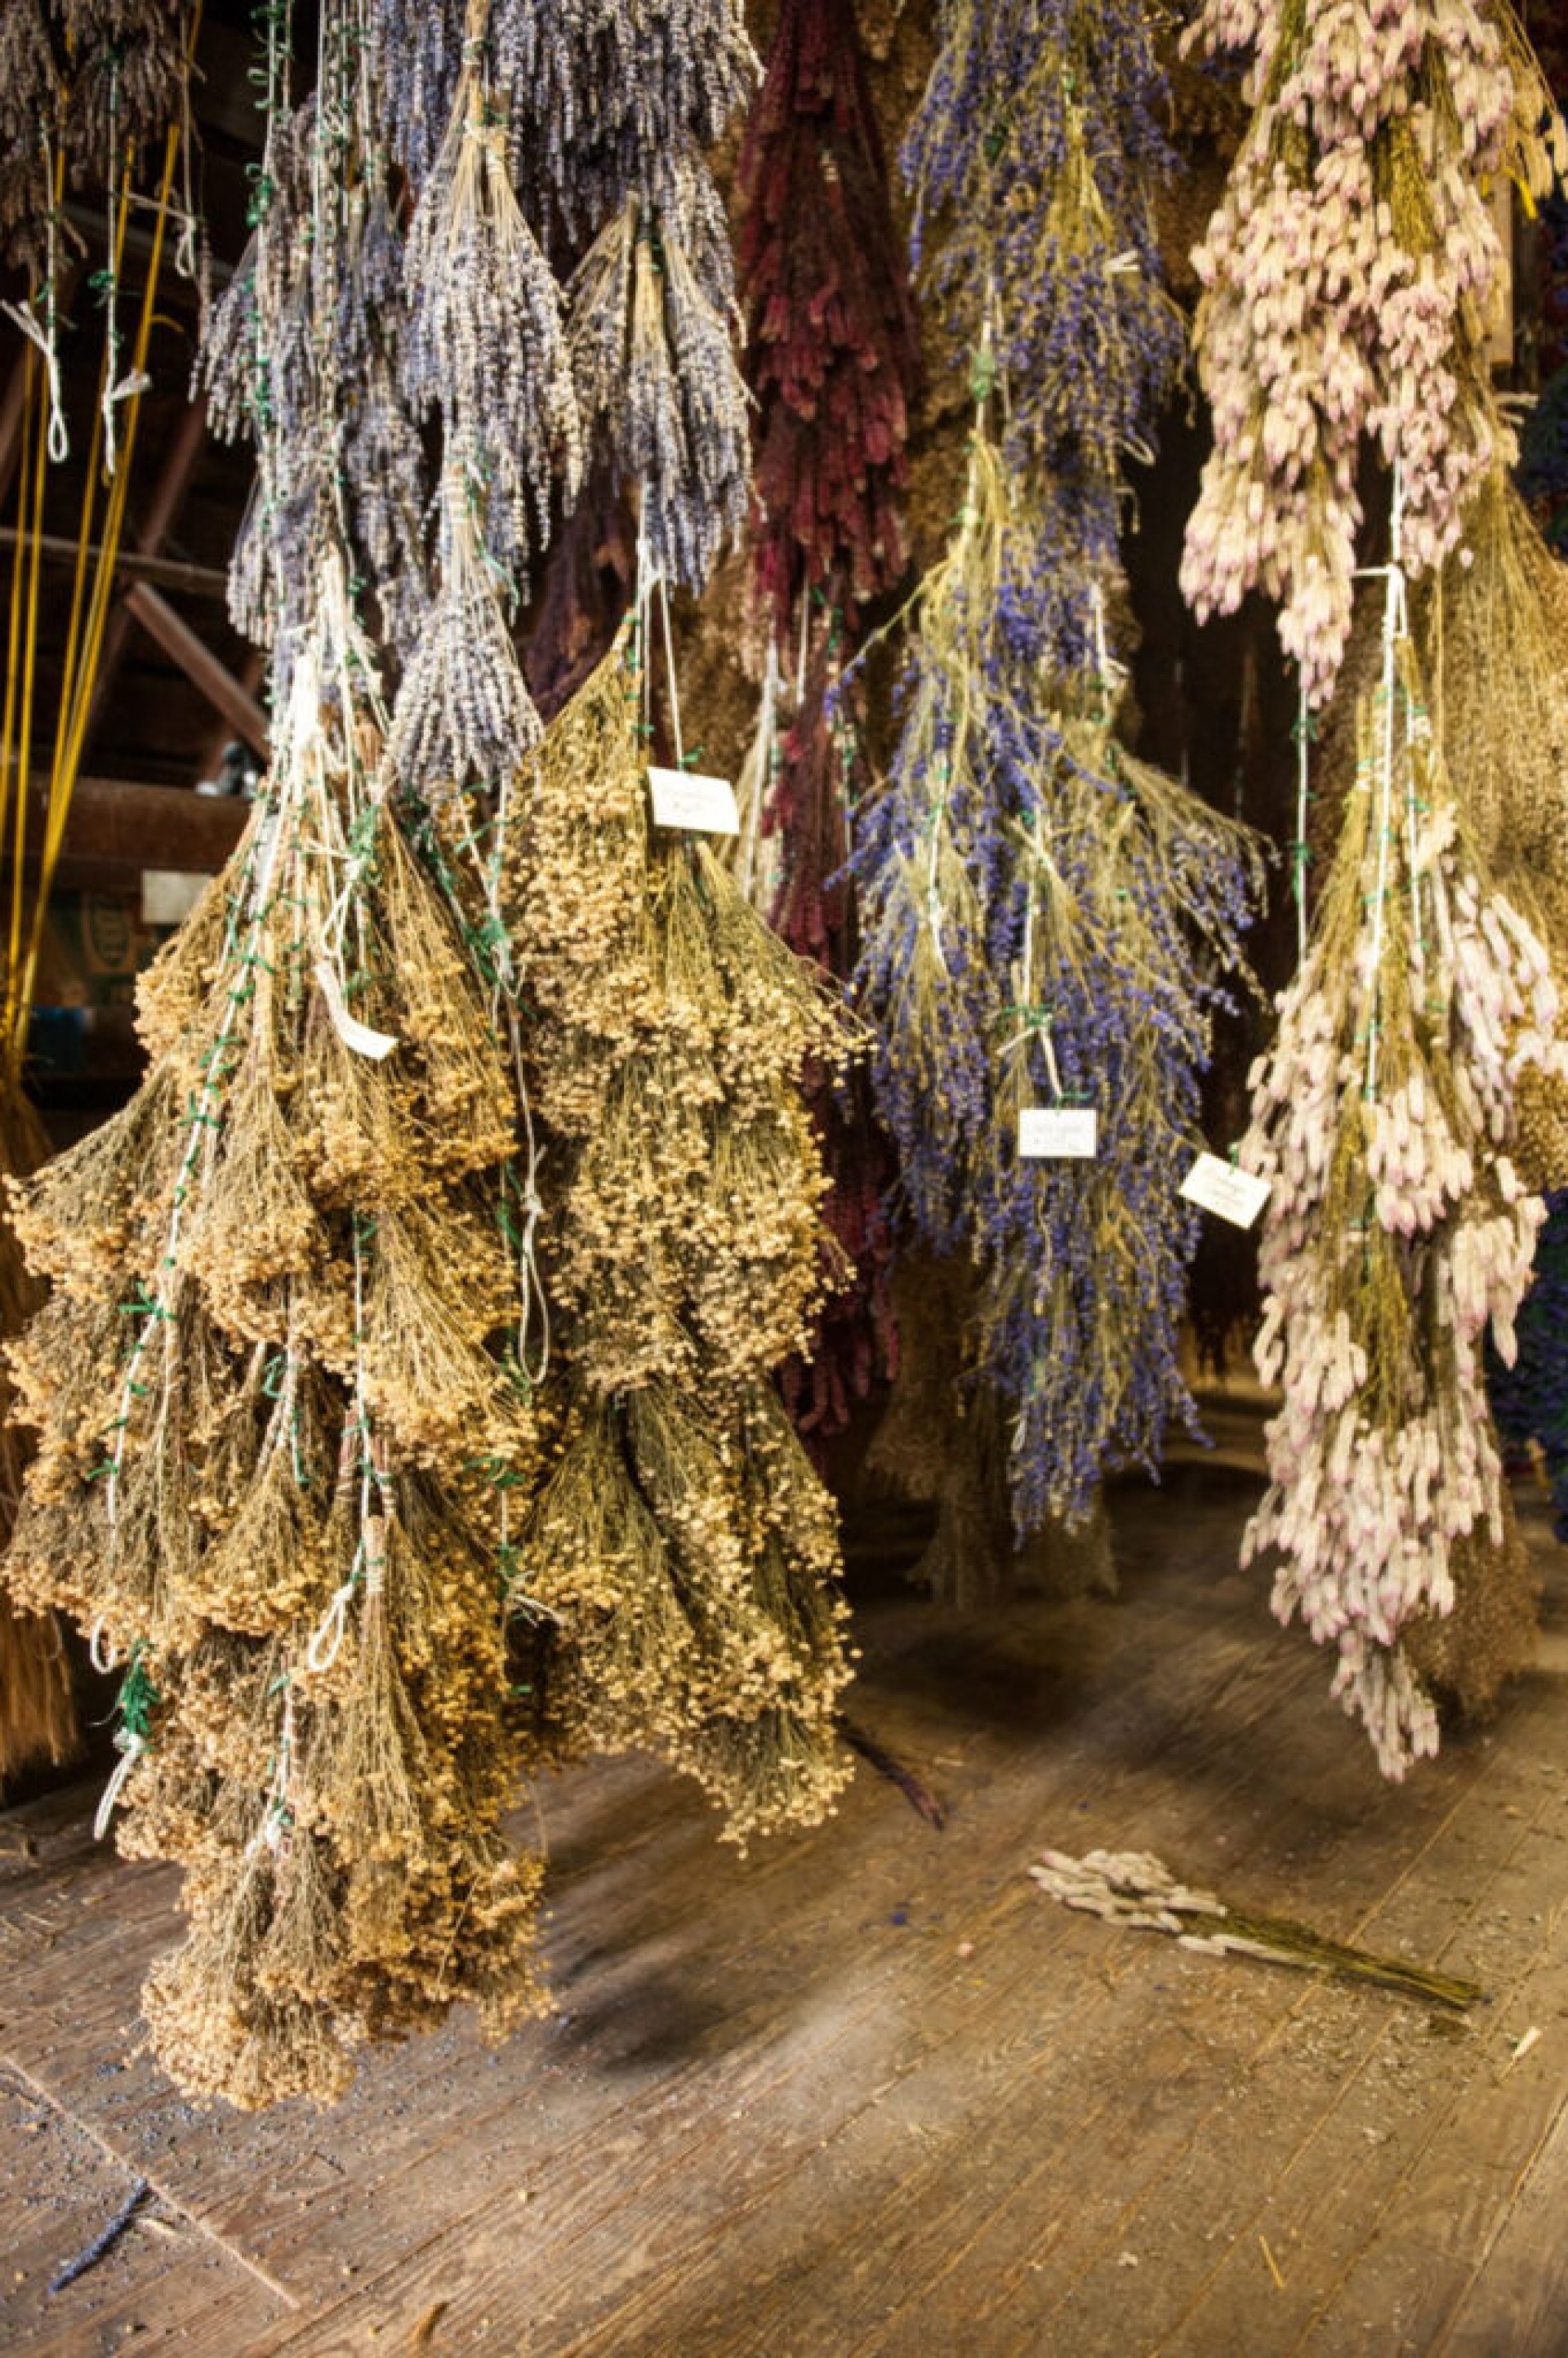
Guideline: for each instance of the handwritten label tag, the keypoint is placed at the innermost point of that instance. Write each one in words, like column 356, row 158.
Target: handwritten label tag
column 1230, row 1195
column 1058, row 1134
column 704, row 805
column 378, row 1046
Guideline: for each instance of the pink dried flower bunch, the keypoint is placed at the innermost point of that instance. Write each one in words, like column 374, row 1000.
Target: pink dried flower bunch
column 1347, row 278
column 1398, row 1232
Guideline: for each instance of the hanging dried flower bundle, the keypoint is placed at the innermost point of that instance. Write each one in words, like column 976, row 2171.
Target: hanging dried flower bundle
column 832, row 337
column 1347, row 277
column 1386, row 1116
column 1530, row 1399
column 1047, row 921
column 600, row 93
column 275, row 1441
column 680, row 1541
column 833, row 361
column 626, row 108
column 485, row 346
column 31, row 97
column 1033, row 161
column 38, row 1715
column 1047, row 926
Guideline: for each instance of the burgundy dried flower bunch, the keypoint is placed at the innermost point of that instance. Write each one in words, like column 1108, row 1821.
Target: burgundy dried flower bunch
column 833, row 338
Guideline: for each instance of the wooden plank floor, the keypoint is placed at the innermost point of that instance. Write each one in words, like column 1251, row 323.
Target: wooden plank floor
column 868, row 2094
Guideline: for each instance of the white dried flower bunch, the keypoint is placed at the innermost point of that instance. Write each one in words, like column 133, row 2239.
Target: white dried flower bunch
column 1399, row 1229
column 1347, row 277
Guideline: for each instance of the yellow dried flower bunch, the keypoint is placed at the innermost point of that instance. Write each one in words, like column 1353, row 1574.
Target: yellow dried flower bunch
column 681, row 1543
column 278, row 1440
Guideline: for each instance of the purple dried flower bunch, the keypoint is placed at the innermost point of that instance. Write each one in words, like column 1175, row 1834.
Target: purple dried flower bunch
column 1048, row 922
column 87, row 87
column 1348, row 276
column 1033, row 163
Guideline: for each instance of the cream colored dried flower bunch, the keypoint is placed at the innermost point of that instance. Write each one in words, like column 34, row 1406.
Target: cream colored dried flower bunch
column 1388, row 1115
column 271, row 1428
column 1347, row 278
column 681, row 1541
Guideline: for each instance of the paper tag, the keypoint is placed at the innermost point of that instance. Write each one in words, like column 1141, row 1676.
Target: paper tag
column 705, row 806
column 1231, row 1195
column 1058, row 1134
column 353, row 1035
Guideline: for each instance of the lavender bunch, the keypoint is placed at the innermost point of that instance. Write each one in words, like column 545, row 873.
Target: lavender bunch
column 486, row 347
column 598, row 91
column 129, row 79
column 1131, row 899
column 30, row 100
column 651, row 342
column 1047, row 921
column 1033, row 160
column 259, row 367
column 417, row 49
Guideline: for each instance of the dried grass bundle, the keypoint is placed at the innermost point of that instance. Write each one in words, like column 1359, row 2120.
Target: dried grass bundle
column 684, row 1256
column 300, row 1430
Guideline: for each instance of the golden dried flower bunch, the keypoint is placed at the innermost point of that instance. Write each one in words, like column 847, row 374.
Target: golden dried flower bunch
column 681, row 1541
column 38, row 1716
column 277, row 1440
column 1400, row 1230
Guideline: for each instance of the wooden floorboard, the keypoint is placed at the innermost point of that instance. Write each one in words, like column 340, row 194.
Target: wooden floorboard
column 867, row 2093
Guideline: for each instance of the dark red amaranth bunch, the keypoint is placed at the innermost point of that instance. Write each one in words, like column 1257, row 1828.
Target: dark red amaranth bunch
column 832, row 334
column 819, row 783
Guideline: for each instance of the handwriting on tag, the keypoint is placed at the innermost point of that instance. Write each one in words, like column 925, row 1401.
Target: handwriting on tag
column 353, row 1035
column 1231, row 1195
column 1058, row 1134
column 703, row 806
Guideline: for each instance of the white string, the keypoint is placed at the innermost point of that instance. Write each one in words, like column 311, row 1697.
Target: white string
column 327, row 1641
column 670, row 668
column 130, row 1747
column 103, row 1657
column 44, row 337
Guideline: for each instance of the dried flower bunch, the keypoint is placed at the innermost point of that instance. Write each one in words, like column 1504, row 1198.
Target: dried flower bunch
column 832, row 336
column 1035, row 156
column 1347, row 277
column 282, row 1409
column 31, row 101
column 629, row 104
column 275, row 1439
column 680, row 1540
column 600, row 92
column 38, row 1715
column 484, row 346
column 662, row 400
column 834, row 364
column 1386, row 1116
column 1530, row 1399
column 1046, row 921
